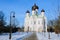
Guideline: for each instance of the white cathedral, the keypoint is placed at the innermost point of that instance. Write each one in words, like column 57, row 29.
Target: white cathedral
column 35, row 22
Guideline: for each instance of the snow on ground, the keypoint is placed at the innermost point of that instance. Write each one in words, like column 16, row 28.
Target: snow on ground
column 21, row 35
column 4, row 36
column 42, row 36
column 15, row 36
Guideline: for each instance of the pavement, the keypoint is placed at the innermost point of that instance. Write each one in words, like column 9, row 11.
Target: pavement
column 31, row 37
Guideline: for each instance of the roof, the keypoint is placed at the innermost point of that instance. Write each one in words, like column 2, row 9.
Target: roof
column 35, row 7
column 27, row 11
column 42, row 10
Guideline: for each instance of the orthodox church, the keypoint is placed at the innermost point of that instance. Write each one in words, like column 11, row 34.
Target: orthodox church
column 35, row 22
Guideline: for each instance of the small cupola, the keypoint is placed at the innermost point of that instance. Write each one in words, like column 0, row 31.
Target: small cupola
column 27, row 11
column 42, row 10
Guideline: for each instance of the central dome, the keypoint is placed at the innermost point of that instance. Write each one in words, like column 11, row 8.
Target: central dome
column 35, row 7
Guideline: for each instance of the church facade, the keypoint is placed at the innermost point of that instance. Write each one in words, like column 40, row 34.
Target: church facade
column 35, row 22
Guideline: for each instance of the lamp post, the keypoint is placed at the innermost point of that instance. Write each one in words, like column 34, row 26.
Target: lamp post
column 10, row 28
column 13, row 19
column 11, row 16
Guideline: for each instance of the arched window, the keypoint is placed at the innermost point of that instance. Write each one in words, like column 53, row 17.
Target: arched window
column 31, row 22
column 38, row 22
column 34, row 22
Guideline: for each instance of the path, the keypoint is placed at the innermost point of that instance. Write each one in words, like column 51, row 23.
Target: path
column 32, row 37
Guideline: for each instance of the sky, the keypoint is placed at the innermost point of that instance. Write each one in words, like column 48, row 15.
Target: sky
column 21, row 6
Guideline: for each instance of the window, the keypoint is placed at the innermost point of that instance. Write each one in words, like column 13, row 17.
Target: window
column 34, row 22
column 38, row 22
column 31, row 22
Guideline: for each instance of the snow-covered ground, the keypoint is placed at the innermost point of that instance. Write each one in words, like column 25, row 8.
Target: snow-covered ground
column 45, row 36
column 21, row 35
column 15, row 36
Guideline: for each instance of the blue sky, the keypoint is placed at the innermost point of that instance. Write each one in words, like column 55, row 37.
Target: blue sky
column 20, row 7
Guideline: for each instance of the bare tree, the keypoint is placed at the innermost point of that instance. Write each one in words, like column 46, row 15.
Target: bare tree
column 2, row 20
